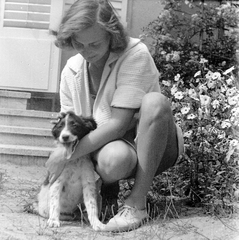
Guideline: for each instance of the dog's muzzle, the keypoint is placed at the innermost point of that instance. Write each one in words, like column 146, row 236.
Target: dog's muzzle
column 70, row 147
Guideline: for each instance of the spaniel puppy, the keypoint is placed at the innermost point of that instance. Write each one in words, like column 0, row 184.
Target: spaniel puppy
column 77, row 182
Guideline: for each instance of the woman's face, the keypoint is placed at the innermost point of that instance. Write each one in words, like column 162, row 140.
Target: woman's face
column 92, row 43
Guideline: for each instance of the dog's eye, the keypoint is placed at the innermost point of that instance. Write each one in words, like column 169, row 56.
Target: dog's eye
column 73, row 123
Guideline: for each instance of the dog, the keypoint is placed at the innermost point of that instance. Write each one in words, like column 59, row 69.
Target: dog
column 77, row 182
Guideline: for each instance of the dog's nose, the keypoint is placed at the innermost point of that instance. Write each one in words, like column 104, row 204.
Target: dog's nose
column 65, row 138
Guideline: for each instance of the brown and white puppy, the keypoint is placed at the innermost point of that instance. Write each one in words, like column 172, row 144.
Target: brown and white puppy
column 77, row 182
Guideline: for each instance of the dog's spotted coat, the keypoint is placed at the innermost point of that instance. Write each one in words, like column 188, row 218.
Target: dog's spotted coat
column 77, row 182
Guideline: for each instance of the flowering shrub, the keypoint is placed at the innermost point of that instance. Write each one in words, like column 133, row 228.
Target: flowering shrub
column 207, row 110
column 197, row 62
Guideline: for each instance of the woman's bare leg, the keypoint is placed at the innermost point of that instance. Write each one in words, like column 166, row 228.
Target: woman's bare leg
column 115, row 161
column 156, row 146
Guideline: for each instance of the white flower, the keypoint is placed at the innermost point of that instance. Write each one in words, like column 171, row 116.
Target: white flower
column 224, row 63
column 191, row 116
column 198, row 73
column 232, row 100
column 231, row 91
column 216, row 75
column 226, row 124
column 177, row 77
column 223, row 89
column 215, row 104
column 188, row 133
column 178, row 95
column 166, row 83
column 229, row 81
column 203, row 88
column 185, row 110
column 205, row 100
column 221, row 135
column 200, row 113
column 175, row 56
column 186, row 2
column 235, row 111
column 209, row 75
column 232, row 147
column 174, row 89
column 229, row 70
column 203, row 60
column 168, row 57
column 192, row 94
column 234, row 143
column 178, row 116
column 211, row 83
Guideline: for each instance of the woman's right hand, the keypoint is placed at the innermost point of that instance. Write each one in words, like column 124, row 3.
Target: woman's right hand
column 56, row 164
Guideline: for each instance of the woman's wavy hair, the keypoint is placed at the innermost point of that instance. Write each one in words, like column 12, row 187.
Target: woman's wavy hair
column 84, row 14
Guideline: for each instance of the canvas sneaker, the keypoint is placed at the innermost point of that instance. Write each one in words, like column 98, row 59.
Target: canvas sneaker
column 127, row 218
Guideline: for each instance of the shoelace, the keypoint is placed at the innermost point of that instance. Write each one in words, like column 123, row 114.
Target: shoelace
column 124, row 211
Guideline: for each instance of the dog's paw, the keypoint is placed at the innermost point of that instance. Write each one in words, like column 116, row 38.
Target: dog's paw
column 52, row 223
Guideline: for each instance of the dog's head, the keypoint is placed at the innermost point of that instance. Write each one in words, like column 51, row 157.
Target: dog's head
column 70, row 128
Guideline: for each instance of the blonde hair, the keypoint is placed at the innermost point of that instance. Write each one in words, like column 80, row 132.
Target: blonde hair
column 84, row 14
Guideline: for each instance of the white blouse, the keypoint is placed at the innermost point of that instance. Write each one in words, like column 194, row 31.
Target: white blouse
column 126, row 78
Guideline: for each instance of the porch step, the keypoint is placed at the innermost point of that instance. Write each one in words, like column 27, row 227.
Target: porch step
column 24, row 155
column 26, row 136
column 31, row 118
column 12, row 99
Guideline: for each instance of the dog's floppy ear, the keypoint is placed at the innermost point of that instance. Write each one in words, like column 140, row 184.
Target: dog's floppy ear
column 90, row 123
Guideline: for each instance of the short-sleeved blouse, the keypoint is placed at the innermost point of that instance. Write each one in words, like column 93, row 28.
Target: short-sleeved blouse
column 126, row 78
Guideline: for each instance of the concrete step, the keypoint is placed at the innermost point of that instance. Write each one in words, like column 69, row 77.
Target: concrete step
column 41, row 137
column 13, row 99
column 29, row 118
column 24, row 155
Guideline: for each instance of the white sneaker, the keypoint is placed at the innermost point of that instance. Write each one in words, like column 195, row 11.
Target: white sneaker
column 127, row 218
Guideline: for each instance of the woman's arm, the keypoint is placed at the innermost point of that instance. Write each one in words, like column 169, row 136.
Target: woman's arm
column 114, row 129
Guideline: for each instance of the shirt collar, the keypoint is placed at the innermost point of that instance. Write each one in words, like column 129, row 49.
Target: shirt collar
column 76, row 63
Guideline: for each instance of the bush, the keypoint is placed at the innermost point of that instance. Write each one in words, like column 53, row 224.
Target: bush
column 196, row 56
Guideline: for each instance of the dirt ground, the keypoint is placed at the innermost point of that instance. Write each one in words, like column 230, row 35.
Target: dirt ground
column 19, row 184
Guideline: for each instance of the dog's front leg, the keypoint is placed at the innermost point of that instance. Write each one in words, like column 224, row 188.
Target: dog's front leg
column 54, row 204
column 90, row 198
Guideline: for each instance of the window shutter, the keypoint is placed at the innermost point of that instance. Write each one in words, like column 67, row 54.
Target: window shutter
column 34, row 14
column 121, row 9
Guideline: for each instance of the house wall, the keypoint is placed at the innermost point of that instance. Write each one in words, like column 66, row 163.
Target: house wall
column 140, row 14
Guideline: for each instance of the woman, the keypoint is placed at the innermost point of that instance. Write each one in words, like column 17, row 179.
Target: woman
column 114, row 78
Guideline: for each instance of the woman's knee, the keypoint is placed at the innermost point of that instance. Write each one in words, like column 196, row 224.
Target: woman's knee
column 115, row 161
column 156, row 105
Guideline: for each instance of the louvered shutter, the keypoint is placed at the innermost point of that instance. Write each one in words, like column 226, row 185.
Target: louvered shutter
column 121, row 8
column 34, row 14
